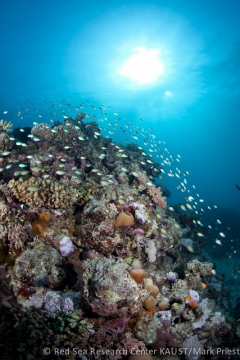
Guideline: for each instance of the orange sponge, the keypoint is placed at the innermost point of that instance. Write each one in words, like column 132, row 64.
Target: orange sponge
column 40, row 226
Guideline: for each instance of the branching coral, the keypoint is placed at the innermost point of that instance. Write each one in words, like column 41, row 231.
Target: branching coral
column 153, row 191
column 157, row 197
column 90, row 128
column 5, row 126
column 194, row 270
column 61, row 134
column 4, row 210
column 18, row 236
column 5, row 142
column 50, row 195
column 36, row 329
column 43, row 131
column 15, row 235
column 3, row 232
column 66, row 133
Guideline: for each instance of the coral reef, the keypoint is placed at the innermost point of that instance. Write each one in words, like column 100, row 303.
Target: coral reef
column 93, row 258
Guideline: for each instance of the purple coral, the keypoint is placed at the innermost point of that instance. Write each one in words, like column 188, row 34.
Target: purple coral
column 118, row 326
column 194, row 296
column 140, row 210
column 164, row 339
column 66, row 246
column 171, row 276
column 138, row 231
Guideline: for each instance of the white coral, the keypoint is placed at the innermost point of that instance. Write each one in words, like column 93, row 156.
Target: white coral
column 151, row 251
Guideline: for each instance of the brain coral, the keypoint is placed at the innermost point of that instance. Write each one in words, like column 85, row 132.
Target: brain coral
column 50, row 195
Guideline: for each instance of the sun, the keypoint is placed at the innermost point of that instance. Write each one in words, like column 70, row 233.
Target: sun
column 143, row 67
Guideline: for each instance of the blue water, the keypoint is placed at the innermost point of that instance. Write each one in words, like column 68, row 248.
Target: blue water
column 58, row 54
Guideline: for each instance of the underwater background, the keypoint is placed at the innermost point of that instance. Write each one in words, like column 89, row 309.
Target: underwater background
column 61, row 58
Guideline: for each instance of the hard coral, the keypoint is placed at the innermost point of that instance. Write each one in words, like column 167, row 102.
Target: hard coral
column 50, row 195
column 96, row 230
column 138, row 275
column 153, row 191
column 5, row 126
column 163, row 305
column 153, row 289
column 43, row 131
column 149, row 303
column 124, row 219
column 15, row 235
column 59, row 135
column 5, row 142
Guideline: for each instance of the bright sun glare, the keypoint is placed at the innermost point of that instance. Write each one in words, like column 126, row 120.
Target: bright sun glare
column 144, row 67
